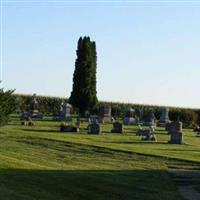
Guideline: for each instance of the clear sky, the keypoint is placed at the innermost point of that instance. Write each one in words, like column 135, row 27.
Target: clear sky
column 148, row 52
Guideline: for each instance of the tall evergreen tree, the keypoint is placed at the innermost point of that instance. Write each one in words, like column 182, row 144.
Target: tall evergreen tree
column 84, row 94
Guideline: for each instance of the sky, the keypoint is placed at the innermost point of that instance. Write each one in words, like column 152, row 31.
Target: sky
column 148, row 52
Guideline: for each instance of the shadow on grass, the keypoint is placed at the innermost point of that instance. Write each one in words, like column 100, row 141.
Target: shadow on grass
column 41, row 130
column 51, row 131
column 136, row 142
column 86, row 184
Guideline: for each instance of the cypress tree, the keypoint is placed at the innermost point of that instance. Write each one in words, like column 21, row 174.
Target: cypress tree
column 83, row 95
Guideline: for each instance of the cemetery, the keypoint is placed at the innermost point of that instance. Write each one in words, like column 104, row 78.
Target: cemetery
column 81, row 148
column 145, row 149
column 128, row 129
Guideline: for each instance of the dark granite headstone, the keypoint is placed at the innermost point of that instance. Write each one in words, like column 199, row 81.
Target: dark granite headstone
column 24, row 115
column 150, row 119
column 68, row 128
column 117, row 128
column 167, row 126
column 93, row 119
column 94, row 128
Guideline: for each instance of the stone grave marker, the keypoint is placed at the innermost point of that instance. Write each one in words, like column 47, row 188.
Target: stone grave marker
column 175, row 131
column 164, row 118
column 147, row 133
column 150, row 119
column 68, row 128
column 117, row 128
column 94, row 128
column 105, row 113
column 34, row 106
column 130, row 117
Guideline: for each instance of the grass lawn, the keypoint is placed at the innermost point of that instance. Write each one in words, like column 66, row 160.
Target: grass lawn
column 41, row 163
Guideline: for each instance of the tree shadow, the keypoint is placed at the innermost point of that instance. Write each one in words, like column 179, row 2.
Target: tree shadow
column 41, row 130
column 52, row 131
column 86, row 184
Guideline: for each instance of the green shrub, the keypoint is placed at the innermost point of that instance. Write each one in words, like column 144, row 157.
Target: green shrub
column 8, row 105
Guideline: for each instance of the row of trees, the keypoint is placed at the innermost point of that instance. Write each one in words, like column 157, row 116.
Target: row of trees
column 51, row 105
column 47, row 105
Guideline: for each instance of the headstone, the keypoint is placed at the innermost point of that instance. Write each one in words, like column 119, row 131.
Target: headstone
column 164, row 118
column 78, row 122
column 150, row 119
column 24, row 115
column 64, row 113
column 175, row 131
column 105, row 113
column 196, row 129
column 147, row 133
column 93, row 119
column 141, row 113
column 94, row 128
column 34, row 112
column 167, row 126
column 34, row 103
column 117, row 128
column 130, row 117
column 26, row 120
column 68, row 128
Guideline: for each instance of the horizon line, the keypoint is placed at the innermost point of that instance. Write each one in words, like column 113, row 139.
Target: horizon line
column 115, row 102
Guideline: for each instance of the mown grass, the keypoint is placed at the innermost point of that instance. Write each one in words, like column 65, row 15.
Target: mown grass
column 41, row 163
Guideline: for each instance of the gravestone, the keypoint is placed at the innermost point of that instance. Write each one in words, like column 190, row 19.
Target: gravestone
column 150, row 119
column 196, row 129
column 24, row 115
column 167, row 126
column 93, row 119
column 68, row 128
column 105, row 113
column 34, row 112
column 147, row 133
column 164, row 118
column 130, row 117
column 117, row 128
column 94, row 128
column 78, row 122
column 64, row 113
column 175, row 131
column 140, row 113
